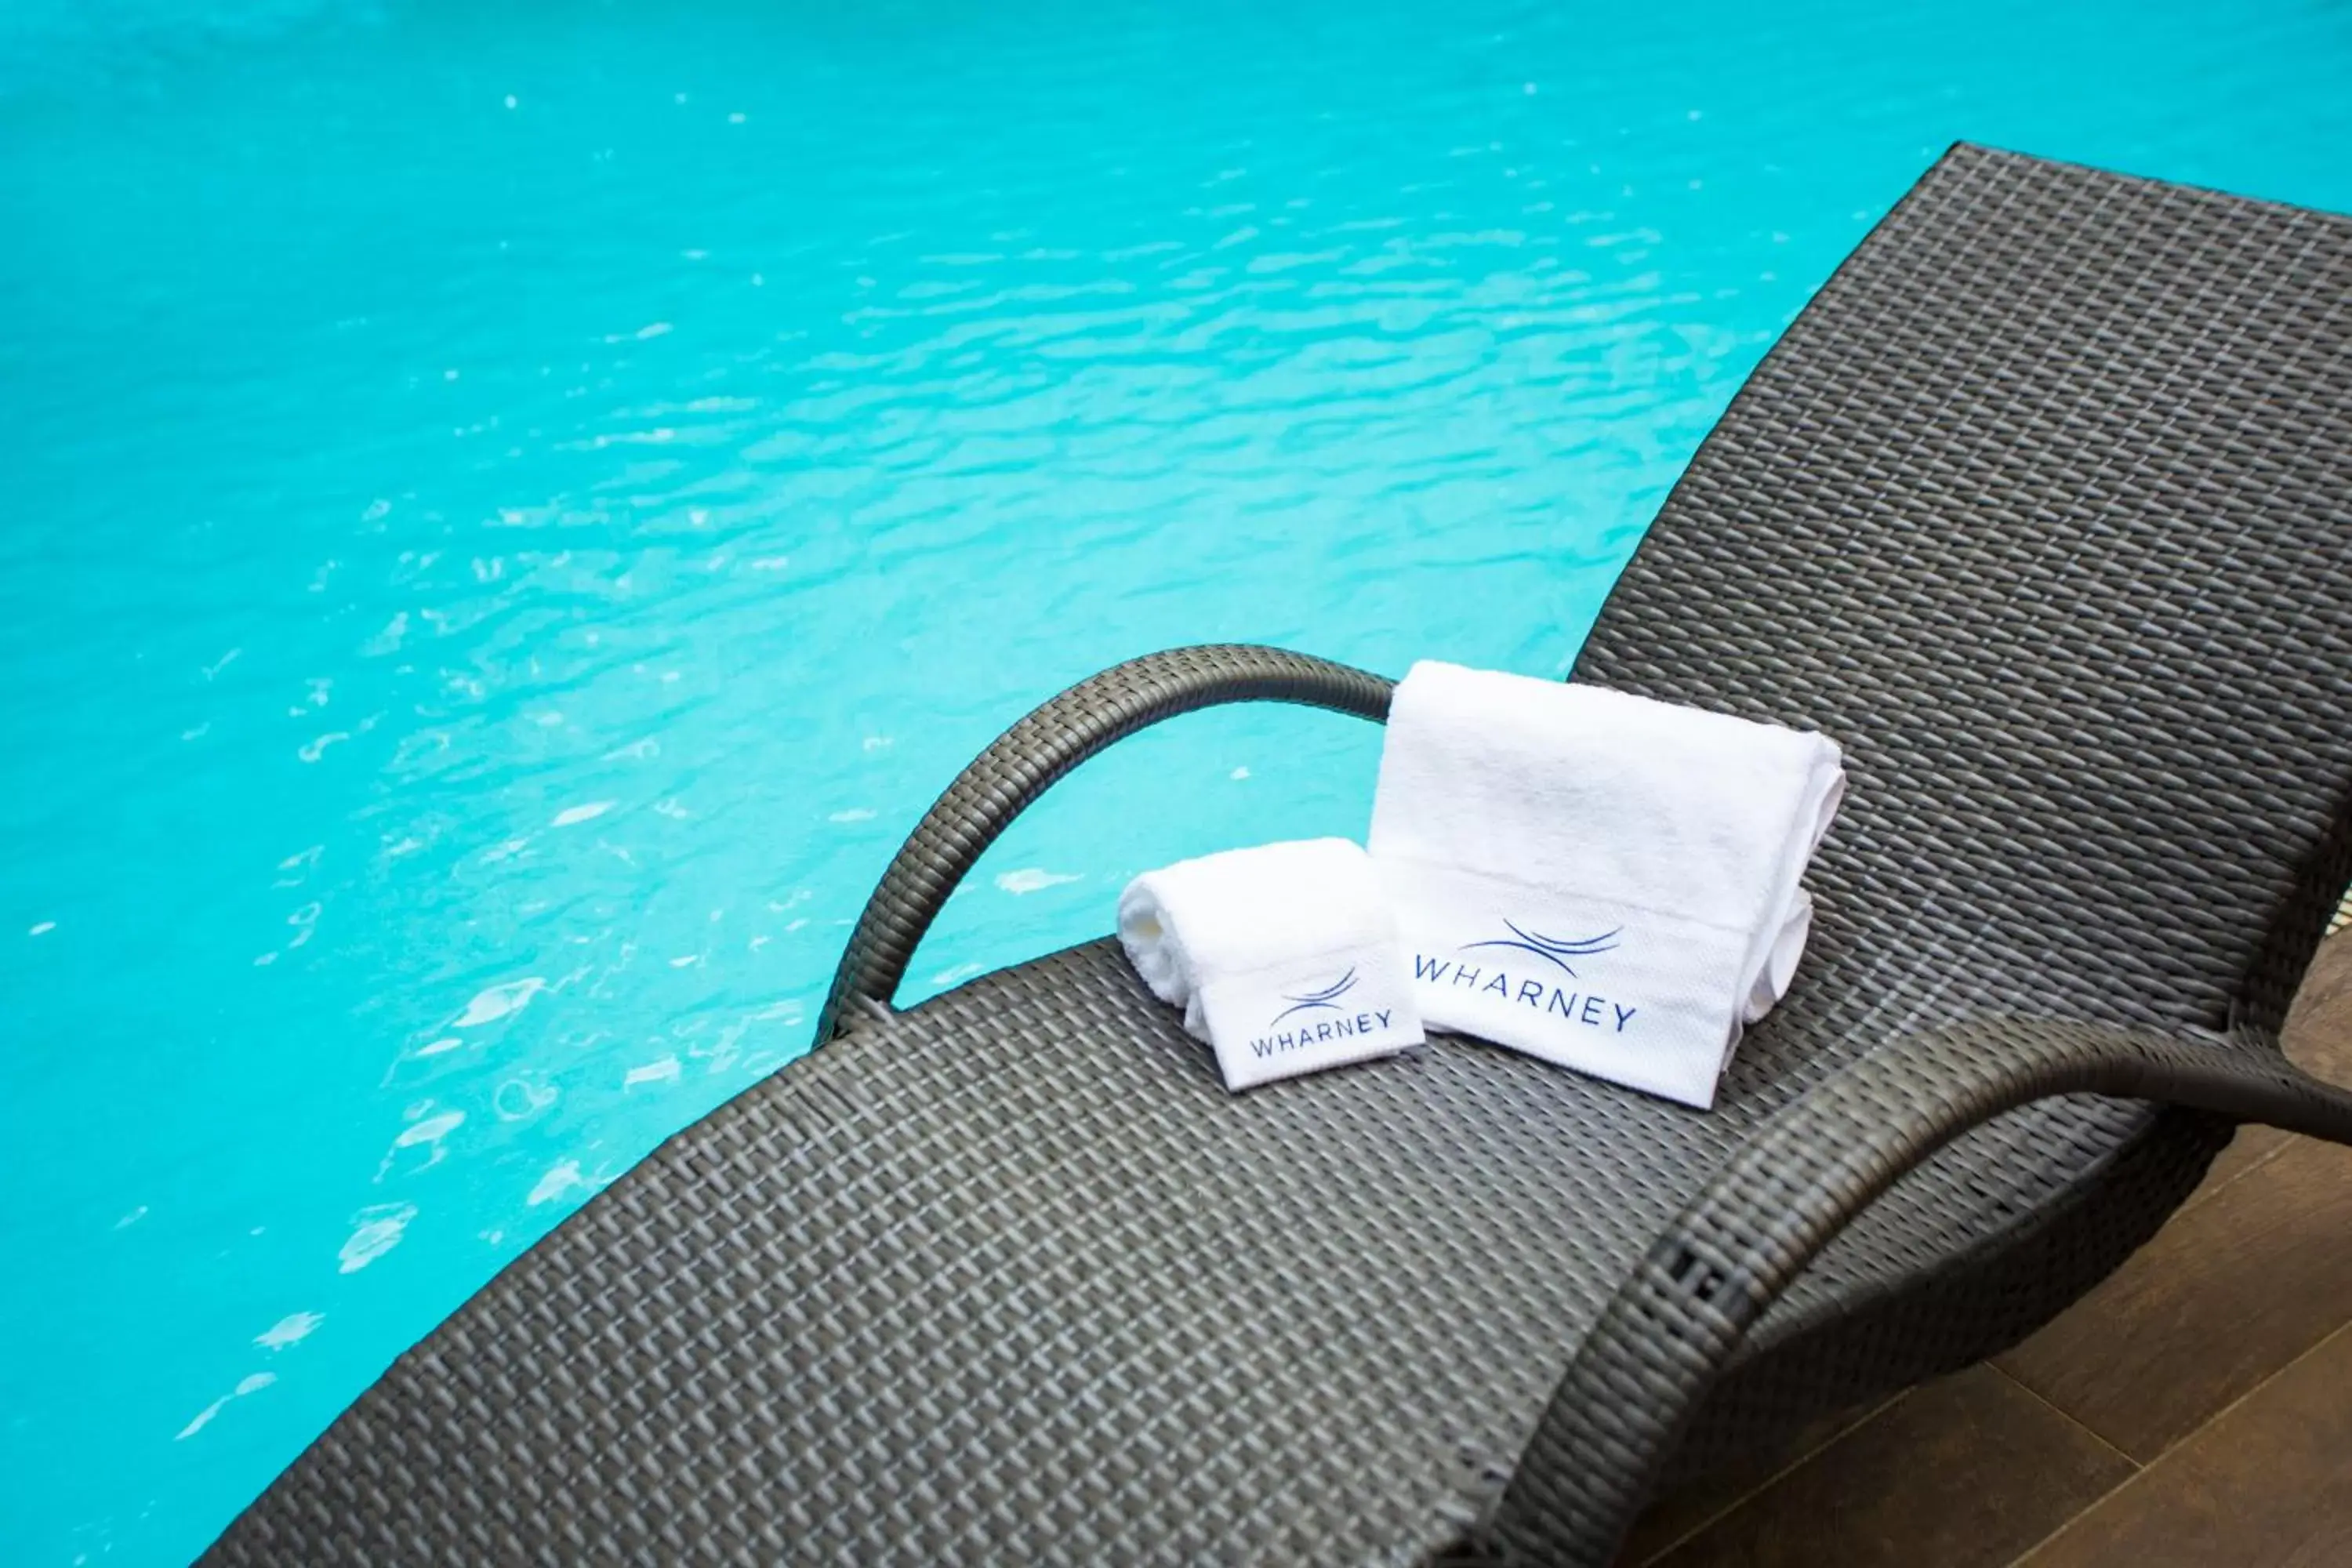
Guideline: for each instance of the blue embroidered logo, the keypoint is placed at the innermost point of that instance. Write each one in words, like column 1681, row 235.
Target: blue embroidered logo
column 1343, row 1025
column 1551, row 949
column 1518, row 988
column 1327, row 999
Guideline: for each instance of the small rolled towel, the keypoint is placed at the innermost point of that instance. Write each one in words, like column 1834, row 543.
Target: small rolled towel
column 1285, row 958
column 1598, row 880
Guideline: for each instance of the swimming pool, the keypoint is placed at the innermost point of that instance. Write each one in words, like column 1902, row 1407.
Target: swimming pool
column 513, row 516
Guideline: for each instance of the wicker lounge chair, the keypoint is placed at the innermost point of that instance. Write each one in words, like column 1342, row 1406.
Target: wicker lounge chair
column 2044, row 508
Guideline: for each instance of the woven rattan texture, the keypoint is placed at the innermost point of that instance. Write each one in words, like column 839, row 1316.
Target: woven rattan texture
column 2040, row 508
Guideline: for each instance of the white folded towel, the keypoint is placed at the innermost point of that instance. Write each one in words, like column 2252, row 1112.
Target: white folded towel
column 1602, row 880
column 1285, row 958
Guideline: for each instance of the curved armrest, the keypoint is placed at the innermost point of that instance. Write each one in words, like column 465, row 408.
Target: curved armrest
column 1026, row 761
column 1676, row 1321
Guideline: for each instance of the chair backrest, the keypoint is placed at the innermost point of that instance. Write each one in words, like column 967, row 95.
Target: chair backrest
column 2045, row 509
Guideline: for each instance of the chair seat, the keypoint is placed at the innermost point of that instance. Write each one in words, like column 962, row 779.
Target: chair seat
column 1012, row 1277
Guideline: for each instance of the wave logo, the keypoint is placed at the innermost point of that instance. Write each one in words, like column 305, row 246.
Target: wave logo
column 1326, row 1000
column 1552, row 950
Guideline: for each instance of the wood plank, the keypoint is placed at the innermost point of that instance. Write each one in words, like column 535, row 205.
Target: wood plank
column 1964, row 1473
column 1666, row 1521
column 2250, row 1275
column 2252, row 1147
column 2227, row 1294
column 2318, row 1033
column 2267, row 1485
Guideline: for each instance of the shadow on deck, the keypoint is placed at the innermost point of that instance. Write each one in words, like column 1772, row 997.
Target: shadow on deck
column 2195, row 1409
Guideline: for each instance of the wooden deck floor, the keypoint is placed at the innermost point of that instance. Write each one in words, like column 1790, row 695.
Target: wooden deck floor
column 2195, row 1409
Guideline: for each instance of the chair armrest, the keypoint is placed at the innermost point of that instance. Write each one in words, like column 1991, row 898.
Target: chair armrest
column 1030, row 757
column 1675, row 1322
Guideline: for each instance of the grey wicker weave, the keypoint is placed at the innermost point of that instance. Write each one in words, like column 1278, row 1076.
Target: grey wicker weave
column 2042, row 508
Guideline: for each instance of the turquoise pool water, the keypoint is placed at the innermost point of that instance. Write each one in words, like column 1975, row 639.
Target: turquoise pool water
column 510, row 517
